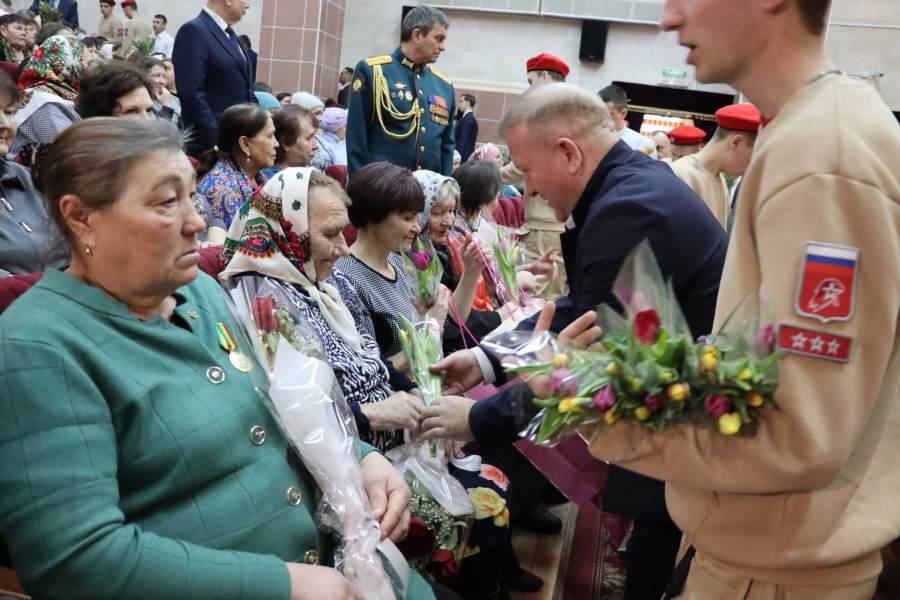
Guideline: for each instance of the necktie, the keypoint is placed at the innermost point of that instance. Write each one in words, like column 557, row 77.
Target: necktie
column 235, row 42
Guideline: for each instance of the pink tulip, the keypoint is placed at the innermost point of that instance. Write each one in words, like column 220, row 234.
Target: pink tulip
column 605, row 399
column 422, row 260
column 562, row 383
column 654, row 403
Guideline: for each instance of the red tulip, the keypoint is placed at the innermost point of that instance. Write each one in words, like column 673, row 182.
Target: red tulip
column 264, row 313
column 646, row 326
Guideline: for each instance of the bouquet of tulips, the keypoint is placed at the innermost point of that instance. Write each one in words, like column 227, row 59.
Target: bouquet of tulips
column 302, row 393
column 647, row 368
column 424, row 272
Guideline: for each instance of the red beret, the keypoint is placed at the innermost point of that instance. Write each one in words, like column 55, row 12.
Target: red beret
column 687, row 135
column 110, row 2
column 547, row 62
column 740, row 117
column 129, row 3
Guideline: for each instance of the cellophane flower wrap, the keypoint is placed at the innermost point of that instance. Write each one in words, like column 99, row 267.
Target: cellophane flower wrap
column 507, row 255
column 304, row 397
column 440, row 496
column 647, row 368
column 424, row 271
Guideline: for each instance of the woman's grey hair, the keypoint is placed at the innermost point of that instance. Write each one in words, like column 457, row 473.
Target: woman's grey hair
column 422, row 18
column 92, row 159
column 564, row 106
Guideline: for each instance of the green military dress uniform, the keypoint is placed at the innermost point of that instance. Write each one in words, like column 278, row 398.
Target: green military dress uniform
column 136, row 462
column 402, row 113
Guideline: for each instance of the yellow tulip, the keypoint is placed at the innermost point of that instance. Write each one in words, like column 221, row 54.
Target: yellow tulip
column 755, row 400
column 709, row 362
column 560, row 361
column 641, row 413
column 711, row 350
column 570, row 405
column 636, row 385
column 677, row 392
column 730, row 423
column 667, row 377
column 613, row 369
column 610, row 417
column 745, row 375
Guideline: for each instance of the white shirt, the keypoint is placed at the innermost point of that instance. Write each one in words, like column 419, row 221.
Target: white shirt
column 165, row 43
column 224, row 25
column 219, row 20
column 638, row 142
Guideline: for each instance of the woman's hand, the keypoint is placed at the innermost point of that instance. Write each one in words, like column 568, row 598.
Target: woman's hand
column 547, row 265
column 400, row 411
column 528, row 283
column 441, row 307
column 473, row 256
column 388, row 496
column 165, row 98
column 309, row 582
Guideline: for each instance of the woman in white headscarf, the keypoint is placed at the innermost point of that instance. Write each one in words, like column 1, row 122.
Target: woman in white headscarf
column 289, row 236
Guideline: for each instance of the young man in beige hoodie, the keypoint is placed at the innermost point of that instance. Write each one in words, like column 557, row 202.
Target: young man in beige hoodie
column 801, row 509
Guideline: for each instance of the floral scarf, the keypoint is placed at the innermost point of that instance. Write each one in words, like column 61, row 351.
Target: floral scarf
column 270, row 236
column 433, row 185
column 54, row 67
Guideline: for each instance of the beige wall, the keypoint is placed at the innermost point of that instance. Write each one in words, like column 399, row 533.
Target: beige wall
column 864, row 35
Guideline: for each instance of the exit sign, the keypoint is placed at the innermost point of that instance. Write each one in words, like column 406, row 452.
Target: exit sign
column 674, row 77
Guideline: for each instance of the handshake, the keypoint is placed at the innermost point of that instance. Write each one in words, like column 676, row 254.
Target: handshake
column 448, row 417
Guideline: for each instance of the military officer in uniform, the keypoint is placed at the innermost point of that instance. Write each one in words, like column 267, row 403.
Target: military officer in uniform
column 402, row 109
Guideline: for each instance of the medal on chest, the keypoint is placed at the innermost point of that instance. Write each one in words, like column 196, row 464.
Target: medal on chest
column 238, row 360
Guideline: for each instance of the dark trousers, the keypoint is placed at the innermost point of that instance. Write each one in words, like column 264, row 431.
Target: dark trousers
column 650, row 558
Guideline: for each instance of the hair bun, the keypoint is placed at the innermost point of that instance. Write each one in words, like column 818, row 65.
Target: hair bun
column 39, row 164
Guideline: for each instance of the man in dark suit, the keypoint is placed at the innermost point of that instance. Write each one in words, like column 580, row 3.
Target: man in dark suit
column 466, row 127
column 212, row 72
column 613, row 198
column 67, row 8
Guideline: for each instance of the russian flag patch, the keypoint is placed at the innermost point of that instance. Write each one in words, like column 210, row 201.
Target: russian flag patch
column 827, row 286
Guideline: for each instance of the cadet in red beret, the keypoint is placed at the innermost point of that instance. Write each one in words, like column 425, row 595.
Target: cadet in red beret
column 727, row 153
column 686, row 140
column 546, row 67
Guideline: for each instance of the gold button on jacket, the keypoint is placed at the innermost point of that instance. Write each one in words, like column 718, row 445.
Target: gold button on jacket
column 311, row 557
column 257, row 435
column 294, row 496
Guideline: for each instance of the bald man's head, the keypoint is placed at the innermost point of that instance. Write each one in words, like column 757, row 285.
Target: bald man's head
column 561, row 107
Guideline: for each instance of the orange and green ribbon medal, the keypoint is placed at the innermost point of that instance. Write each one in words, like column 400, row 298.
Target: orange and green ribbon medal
column 238, row 360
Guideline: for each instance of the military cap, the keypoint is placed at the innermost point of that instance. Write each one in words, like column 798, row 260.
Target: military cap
column 740, row 117
column 687, row 135
column 547, row 62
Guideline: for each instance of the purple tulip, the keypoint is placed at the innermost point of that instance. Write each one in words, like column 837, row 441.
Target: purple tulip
column 504, row 244
column 605, row 399
column 654, row 403
column 562, row 382
column 422, row 260
column 717, row 405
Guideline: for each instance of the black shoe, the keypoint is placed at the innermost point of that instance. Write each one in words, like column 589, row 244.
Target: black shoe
column 520, row 580
column 539, row 520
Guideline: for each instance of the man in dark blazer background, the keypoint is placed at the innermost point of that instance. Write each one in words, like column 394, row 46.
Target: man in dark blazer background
column 67, row 8
column 466, row 127
column 212, row 71
column 613, row 198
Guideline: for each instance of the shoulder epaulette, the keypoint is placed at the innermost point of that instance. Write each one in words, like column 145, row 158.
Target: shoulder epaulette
column 441, row 75
column 379, row 60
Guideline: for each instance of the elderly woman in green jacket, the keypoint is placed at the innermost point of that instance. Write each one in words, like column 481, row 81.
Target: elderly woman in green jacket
column 137, row 462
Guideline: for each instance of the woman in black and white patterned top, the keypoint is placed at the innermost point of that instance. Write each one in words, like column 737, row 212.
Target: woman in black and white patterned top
column 387, row 201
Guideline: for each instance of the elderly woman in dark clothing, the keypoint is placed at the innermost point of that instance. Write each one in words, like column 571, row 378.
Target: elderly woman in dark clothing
column 29, row 241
